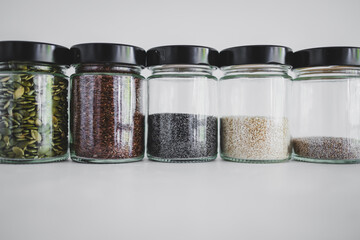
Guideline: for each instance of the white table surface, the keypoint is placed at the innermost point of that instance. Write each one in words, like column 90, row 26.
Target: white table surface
column 150, row 200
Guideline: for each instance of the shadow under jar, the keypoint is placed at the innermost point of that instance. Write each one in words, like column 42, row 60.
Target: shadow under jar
column 182, row 120
column 326, row 105
column 33, row 102
column 254, row 124
column 107, row 104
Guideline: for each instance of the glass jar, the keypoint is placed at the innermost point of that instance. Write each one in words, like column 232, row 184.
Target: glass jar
column 182, row 120
column 254, row 124
column 326, row 105
column 33, row 102
column 107, row 103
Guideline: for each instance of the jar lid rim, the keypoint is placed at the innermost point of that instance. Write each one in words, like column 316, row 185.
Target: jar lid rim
column 108, row 53
column 182, row 54
column 28, row 51
column 256, row 54
column 327, row 56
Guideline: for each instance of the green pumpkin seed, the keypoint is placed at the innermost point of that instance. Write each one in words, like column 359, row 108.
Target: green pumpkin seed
column 20, row 136
column 38, row 122
column 18, row 151
column 16, row 122
column 5, row 131
column 7, row 104
column 17, row 78
column 18, row 130
column 4, row 124
column 36, row 135
column 44, row 149
column 17, row 116
column 19, row 92
column 5, row 79
column 6, row 140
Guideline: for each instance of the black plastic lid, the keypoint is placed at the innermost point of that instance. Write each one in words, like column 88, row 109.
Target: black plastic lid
column 25, row 51
column 108, row 53
column 182, row 54
column 327, row 56
column 256, row 54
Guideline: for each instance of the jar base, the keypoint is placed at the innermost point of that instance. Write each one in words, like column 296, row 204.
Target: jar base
column 331, row 161
column 102, row 160
column 34, row 161
column 182, row 160
column 241, row 160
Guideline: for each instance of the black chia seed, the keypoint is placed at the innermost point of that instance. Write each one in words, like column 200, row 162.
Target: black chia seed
column 173, row 136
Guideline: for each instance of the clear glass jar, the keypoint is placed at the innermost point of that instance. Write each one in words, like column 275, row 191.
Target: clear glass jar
column 326, row 105
column 182, row 120
column 108, row 104
column 33, row 103
column 254, row 124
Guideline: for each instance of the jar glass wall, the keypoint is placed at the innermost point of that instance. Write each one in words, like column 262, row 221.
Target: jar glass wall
column 108, row 116
column 182, row 105
column 254, row 118
column 108, row 104
column 254, row 125
column 326, row 117
column 182, row 121
column 33, row 103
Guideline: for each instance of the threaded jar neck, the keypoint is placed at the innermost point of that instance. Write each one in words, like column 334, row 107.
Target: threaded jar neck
column 182, row 69
column 107, row 68
column 19, row 66
column 327, row 72
column 256, row 70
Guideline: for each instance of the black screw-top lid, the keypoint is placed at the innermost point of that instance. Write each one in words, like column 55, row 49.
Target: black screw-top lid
column 327, row 56
column 26, row 51
column 108, row 53
column 256, row 54
column 182, row 54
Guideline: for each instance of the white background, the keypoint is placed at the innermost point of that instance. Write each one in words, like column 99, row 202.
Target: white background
column 148, row 200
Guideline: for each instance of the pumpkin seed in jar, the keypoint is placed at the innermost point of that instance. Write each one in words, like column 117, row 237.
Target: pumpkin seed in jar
column 4, row 79
column 18, row 152
column 36, row 135
column 7, row 104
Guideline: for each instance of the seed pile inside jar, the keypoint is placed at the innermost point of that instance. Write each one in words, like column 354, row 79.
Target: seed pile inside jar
column 331, row 148
column 33, row 110
column 107, row 117
column 179, row 136
column 255, row 138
